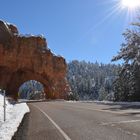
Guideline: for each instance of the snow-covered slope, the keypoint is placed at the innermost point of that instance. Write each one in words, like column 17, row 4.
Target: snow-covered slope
column 14, row 115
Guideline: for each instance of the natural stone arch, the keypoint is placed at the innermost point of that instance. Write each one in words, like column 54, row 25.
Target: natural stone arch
column 24, row 58
column 21, row 76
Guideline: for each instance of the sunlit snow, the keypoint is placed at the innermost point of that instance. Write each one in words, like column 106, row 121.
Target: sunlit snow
column 14, row 115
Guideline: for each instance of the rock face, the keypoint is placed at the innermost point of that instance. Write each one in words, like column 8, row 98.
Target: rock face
column 24, row 58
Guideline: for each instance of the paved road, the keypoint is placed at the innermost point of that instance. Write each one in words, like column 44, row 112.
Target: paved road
column 80, row 121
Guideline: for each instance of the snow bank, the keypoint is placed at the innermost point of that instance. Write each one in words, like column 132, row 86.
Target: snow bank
column 119, row 103
column 14, row 116
column 107, row 102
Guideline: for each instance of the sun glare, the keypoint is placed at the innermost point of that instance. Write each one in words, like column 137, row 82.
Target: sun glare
column 131, row 3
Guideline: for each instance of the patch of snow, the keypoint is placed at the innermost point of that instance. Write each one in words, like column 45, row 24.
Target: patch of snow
column 107, row 102
column 119, row 103
column 41, row 35
column 31, row 35
column 72, row 101
column 26, row 35
column 14, row 116
column 43, row 51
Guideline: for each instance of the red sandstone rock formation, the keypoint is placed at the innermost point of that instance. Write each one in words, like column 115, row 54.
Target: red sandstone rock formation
column 24, row 58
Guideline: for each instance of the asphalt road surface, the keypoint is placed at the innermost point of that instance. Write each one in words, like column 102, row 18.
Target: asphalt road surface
column 61, row 120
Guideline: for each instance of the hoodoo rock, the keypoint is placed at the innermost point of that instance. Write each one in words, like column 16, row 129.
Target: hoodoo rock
column 24, row 58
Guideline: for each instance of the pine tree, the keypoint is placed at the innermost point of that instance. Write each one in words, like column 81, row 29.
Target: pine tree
column 86, row 79
column 127, row 86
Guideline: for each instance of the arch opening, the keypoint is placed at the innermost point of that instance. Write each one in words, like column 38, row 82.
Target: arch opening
column 31, row 90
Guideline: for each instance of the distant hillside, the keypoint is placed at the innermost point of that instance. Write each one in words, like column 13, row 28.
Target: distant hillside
column 91, row 80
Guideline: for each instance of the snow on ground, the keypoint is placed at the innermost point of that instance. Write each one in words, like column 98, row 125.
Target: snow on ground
column 107, row 102
column 14, row 115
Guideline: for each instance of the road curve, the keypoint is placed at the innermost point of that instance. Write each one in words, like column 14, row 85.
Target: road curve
column 61, row 120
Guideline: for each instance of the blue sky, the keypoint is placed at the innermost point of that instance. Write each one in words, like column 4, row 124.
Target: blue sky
column 87, row 30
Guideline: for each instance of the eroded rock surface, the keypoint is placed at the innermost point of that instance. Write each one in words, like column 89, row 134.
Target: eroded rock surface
column 24, row 58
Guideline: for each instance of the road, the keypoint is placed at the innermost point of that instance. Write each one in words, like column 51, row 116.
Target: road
column 61, row 120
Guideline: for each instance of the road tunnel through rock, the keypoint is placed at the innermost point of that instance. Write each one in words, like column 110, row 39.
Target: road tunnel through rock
column 24, row 58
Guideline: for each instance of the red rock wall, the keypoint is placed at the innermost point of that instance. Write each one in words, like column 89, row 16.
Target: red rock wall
column 24, row 58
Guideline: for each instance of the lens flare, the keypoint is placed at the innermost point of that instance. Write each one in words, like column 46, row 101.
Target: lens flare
column 131, row 3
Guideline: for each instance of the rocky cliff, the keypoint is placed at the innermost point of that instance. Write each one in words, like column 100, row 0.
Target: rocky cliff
column 24, row 58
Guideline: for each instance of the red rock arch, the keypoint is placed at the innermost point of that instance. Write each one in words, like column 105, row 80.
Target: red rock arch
column 24, row 58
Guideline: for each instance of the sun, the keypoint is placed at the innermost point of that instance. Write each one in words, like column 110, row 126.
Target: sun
column 132, row 4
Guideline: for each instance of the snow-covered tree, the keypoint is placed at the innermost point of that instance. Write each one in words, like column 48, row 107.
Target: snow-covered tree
column 88, row 80
column 127, row 86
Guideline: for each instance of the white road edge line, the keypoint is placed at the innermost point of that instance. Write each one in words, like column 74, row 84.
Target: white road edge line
column 58, row 128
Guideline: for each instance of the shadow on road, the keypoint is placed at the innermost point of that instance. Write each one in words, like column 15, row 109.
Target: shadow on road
column 21, row 134
column 126, row 108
